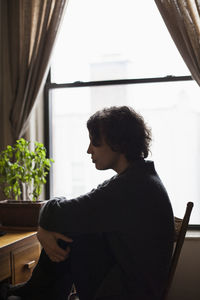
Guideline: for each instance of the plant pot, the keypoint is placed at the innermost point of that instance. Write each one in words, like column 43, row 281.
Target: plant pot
column 20, row 213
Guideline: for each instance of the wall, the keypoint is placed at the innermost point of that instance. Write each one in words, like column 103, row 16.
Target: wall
column 35, row 130
column 186, row 284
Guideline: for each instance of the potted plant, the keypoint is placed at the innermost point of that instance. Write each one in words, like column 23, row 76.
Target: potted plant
column 22, row 175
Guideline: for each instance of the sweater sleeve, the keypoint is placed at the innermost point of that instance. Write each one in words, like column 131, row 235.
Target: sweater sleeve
column 97, row 211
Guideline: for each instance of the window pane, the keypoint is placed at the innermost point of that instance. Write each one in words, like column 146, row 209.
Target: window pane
column 114, row 39
column 172, row 110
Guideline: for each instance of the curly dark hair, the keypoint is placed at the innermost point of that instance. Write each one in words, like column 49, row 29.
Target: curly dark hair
column 123, row 129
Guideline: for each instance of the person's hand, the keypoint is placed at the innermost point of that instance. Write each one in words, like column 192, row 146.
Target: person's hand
column 48, row 240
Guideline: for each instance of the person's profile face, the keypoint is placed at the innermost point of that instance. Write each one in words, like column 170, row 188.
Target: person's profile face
column 102, row 155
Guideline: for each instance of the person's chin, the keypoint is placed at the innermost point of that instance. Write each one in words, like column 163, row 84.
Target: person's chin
column 97, row 167
column 101, row 168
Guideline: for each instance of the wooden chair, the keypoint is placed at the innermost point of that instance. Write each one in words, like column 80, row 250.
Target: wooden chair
column 181, row 226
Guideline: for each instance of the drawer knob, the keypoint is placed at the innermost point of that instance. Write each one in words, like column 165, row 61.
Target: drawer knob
column 30, row 264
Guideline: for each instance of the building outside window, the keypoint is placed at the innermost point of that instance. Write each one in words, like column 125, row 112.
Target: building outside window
column 120, row 53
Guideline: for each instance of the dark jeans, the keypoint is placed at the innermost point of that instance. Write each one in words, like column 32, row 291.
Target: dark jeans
column 88, row 263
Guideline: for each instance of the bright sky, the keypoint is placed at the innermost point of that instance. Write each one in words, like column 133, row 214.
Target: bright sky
column 107, row 30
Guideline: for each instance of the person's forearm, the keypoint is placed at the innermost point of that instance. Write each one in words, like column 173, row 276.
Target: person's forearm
column 48, row 215
column 49, row 241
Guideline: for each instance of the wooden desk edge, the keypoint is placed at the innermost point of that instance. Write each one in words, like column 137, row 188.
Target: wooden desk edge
column 14, row 239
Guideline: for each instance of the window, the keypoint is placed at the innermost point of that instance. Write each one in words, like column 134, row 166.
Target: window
column 120, row 53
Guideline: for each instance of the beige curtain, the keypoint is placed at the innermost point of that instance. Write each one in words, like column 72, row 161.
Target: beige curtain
column 182, row 18
column 27, row 34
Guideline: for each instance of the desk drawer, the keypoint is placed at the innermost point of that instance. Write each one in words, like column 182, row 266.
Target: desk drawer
column 5, row 266
column 23, row 262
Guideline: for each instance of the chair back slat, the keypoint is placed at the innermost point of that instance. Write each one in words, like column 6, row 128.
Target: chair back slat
column 181, row 226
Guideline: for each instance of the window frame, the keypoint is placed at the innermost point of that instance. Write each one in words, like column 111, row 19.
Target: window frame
column 78, row 84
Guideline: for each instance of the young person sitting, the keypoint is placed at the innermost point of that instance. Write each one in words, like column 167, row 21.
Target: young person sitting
column 116, row 241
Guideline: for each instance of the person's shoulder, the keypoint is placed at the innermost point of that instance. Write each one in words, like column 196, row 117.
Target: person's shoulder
column 106, row 182
column 139, row 166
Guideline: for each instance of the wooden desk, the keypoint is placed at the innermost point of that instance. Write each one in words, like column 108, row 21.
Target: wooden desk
column 19, row 253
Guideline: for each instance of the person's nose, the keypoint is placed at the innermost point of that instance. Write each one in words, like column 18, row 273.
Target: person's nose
column 89, row 150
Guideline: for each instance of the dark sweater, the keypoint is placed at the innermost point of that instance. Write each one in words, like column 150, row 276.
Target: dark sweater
column 133, row 210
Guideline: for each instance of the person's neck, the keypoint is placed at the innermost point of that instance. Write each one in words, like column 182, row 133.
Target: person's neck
column 122, row 165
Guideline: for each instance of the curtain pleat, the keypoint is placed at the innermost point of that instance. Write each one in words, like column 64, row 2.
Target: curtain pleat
column 27, row 35
column 182, row 18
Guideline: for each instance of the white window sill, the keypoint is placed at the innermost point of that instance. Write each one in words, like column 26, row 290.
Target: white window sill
column 193, row 234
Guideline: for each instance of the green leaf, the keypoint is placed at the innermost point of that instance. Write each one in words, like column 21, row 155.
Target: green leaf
column 18, row 164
